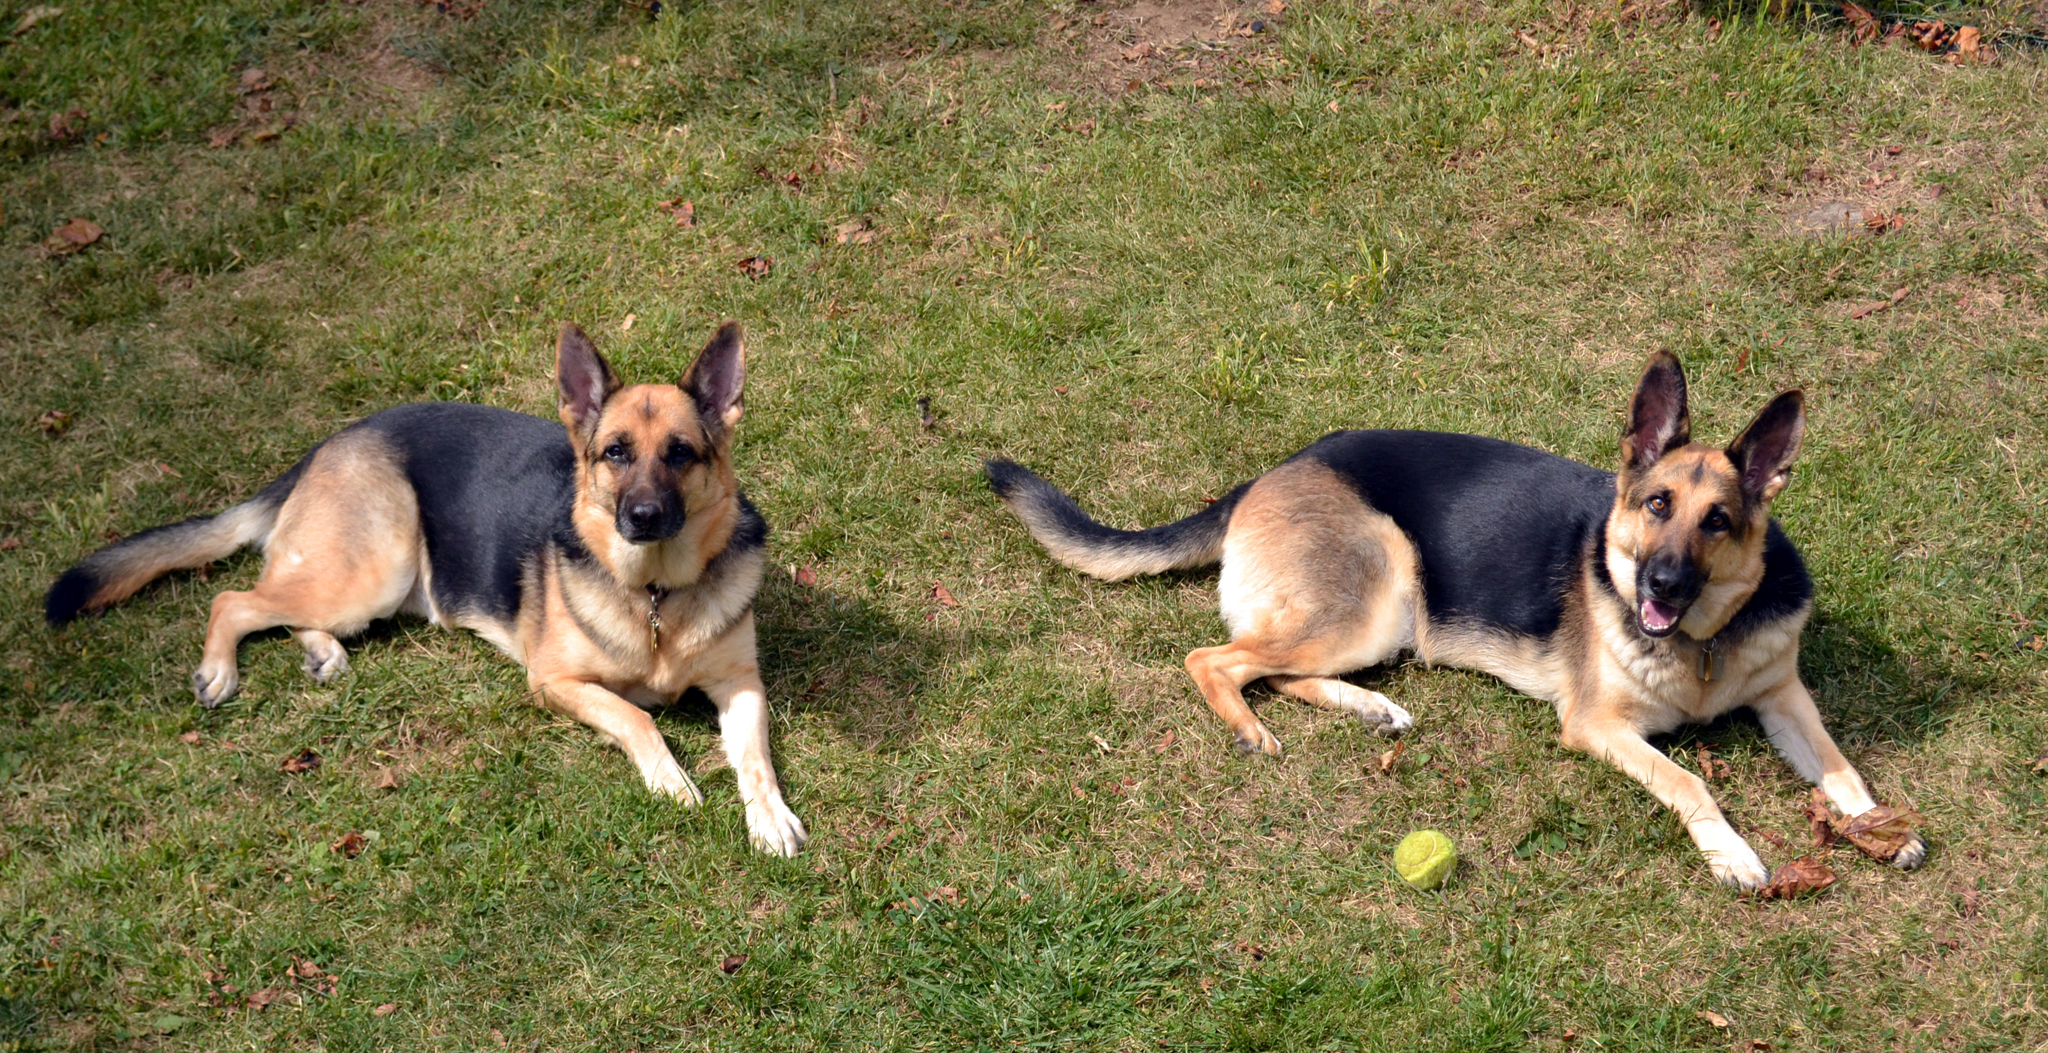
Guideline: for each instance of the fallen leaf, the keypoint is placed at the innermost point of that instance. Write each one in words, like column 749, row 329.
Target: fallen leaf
column 254, row 80
column 1803, row 875
column 1969, row 45
column 1712, row 767
column 1973, row 904
column 1712, row 1017
column 72, row 236
column 1258, row 953
column 349, row 846
column 1388, row 758
column 1276, row 7
column 684, row 212
column 1819, row 819
column 1868, row 309
column 732, row 963
column 855, row 231
column 806, row 576
column 629, row 61
column 1331, row 106
column 10, row 543
column 386, row 1009
column 1166, row 743
column 66, row 126
column 263, row 998
column 190, row 738
column 305, row 970
column 303, row 761
column 387, row 779
column 2041, row 764
column 1880, row 832
column 756, row 267
column 35, row 15
column 1863, row 26
column 53, row 422
column 944, row 597
column 1140, row 51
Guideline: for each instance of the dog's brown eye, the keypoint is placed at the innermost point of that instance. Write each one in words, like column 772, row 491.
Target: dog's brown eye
column 616, row 453
column 1716, row 520
column 1657, row 505
column 678, row 455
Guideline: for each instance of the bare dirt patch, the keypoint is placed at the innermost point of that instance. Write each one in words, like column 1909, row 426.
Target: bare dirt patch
column 1121, row 47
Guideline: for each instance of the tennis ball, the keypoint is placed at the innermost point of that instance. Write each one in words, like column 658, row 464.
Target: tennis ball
column 1425, row 859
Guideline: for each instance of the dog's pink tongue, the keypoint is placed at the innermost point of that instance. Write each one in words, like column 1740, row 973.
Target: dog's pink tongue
column 1658, row 616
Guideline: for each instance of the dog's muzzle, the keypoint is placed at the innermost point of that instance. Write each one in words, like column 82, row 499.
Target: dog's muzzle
column 644, row 522
column 1665, row 587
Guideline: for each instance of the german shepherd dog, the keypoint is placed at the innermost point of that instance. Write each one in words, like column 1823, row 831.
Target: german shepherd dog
column 1635, row 602
column 617, row 560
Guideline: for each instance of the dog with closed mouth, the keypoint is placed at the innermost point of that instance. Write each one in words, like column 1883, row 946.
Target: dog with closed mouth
column 1635, row 601
column 613, row 554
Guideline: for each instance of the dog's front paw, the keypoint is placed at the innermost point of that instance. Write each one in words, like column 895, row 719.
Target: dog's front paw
column 1738, row 867
column 325, row 661
column 1912, row 854
column 773, row 828
column 214, row 683
column 668, row 779
column 1384, row 717
column 1257, row 739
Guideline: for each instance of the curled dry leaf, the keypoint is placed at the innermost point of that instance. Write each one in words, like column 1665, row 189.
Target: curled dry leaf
column 54, row 422
column 1880, row 832
column 756, row 267
column 1819, row 819
column 349, row 846
column 190, row 738
column 1864, row 27
column 944, row 596
column 386, row 1009
column 303, row 761
column 806, row 575
column 732, row 963
column 1797, row 878
column 683, row 212
column 1388, row 758
column 72, row 236
column 855, row 231
column 1165, row 742
column 1712, row 1017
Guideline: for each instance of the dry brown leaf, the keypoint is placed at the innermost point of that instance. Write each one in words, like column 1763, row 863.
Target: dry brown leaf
column 684, row 212
column 1797, row 878
column 72, row 236
column 254, row 80
column 1388, row 758
column 756, row 267
column 732, row 963
column 387, row 779
column 1863, row 26
column 1276, row 8
column 806, row 576
column 1712, row 1017
column 53, row 422
column 1141, row 51
column 1819, row 819
column 34, row 15
column 303, row 761
column 1880, row 832
column 10, row 543
column 349, row 846
column 1166, row 743
column 386, row 1009
column 1969, row 46
column 941, row 594
column 66, row 126
column 262, row 998
column 190, row 738
column 855, row 231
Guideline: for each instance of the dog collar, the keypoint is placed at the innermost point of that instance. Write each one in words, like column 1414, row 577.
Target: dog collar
column 655, row 595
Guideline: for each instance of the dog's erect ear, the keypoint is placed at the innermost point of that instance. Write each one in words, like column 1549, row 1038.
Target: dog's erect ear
column 714, row 381
column 1657, row 419
column 585, row 380
column 1763, row 453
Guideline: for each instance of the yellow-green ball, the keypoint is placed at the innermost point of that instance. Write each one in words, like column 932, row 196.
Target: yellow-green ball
column 1425, row 859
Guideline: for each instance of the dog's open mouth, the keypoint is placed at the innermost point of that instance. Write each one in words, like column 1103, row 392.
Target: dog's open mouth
column 1657, row 617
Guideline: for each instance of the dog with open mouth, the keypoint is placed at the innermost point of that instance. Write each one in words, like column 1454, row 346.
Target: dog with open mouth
column 1635, row 601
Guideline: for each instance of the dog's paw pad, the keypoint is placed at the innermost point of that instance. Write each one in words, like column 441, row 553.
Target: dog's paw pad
column 774, row 829
column 1259, row 740
column 214, row 686
column 1912, row 855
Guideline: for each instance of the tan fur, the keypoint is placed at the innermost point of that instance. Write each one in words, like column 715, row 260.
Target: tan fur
column 1316, row 583
column 346, row 547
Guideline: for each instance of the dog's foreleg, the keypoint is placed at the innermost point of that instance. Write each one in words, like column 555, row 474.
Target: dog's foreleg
column 743, row 723
column 1793, row 722
column 629, row 727
column 1730, row 858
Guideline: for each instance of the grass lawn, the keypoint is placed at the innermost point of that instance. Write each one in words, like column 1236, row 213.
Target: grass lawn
column 1140, row 251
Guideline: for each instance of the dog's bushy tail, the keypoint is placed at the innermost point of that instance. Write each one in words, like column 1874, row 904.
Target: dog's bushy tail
column 1077, row 540
column 114, row 573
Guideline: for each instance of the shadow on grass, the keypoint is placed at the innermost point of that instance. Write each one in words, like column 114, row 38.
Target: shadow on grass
column 822, row 652
column 1868, row 689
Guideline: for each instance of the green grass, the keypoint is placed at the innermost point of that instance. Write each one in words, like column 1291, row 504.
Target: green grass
column 1376, row 214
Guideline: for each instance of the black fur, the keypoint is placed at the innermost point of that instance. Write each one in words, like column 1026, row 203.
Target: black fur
column 1017, row 484
column 1503, row 529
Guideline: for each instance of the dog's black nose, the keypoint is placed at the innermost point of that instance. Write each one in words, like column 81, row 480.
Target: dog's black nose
column 1669, row 580
column 643, row 517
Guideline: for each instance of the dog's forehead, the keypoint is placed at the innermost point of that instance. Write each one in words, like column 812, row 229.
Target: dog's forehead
column 651, row 410
column 1695, row 473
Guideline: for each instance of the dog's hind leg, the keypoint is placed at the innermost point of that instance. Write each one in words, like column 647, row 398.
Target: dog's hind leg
column 344, row 553
column 1315, row 583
